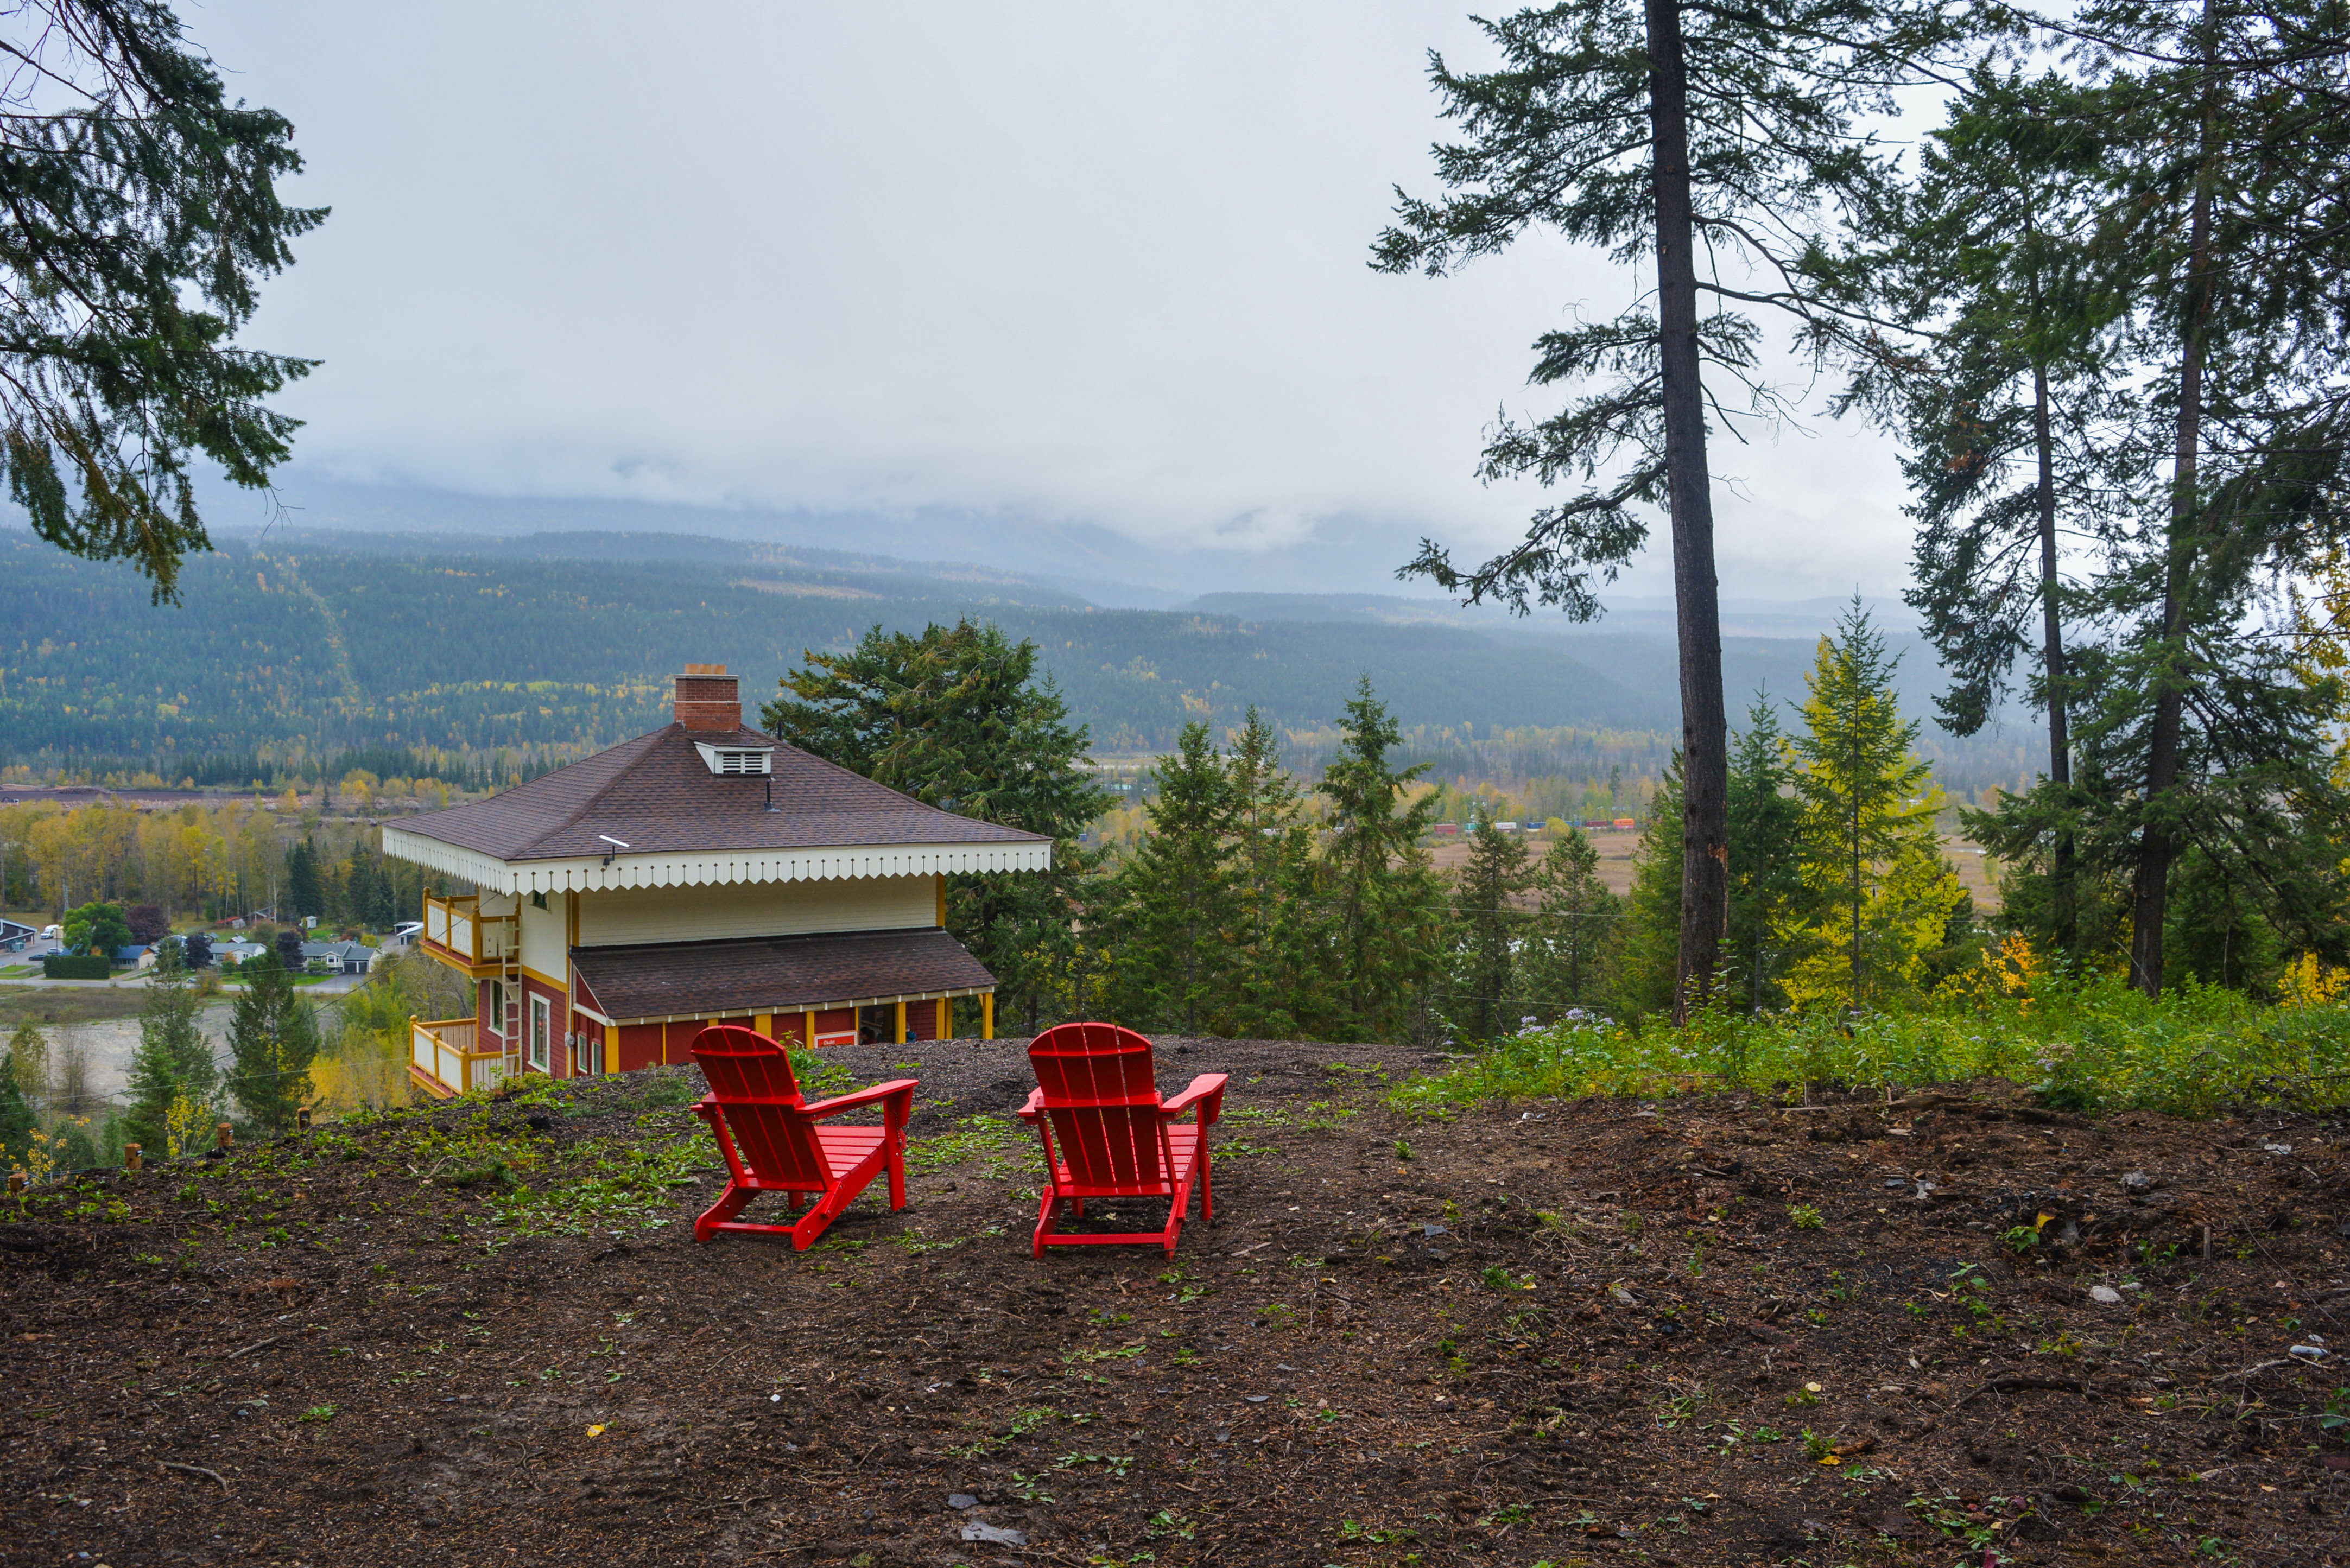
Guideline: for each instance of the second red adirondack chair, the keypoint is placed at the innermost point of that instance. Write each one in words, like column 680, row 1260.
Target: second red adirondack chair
column 772, row 1142
column 1107, row 1133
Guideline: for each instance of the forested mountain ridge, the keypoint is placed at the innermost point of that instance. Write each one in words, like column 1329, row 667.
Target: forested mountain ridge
column 562, row 641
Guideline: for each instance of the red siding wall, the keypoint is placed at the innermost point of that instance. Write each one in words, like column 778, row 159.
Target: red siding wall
column 838, row 1019
column 559, row 1019
column 641, row 1045
column 921, row 1021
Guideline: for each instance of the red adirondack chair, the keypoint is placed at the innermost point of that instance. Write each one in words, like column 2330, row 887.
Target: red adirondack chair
column 1107, row 1133
column 773, row 1144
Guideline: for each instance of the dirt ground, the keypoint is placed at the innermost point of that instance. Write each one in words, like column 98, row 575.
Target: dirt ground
column 1688, row 1332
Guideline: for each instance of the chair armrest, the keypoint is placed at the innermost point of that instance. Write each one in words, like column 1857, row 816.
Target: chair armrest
column 1207, row 1092
column 1035, row 1108
column 895, row 1088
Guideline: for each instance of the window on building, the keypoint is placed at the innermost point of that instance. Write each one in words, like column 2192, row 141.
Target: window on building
column 542, row 1027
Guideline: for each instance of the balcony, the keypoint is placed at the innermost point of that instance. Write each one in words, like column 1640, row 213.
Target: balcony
column 458, row 934
column 444, row 1062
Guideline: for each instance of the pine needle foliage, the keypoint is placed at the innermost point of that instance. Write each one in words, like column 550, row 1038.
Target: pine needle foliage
column 141, row 212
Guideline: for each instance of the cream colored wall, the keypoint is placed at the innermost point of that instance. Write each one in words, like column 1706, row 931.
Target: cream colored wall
column 545, row 944
column 748, row 910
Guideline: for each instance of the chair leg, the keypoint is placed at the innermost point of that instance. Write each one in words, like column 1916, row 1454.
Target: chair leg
column 897, row 1173
column 1207, row 1188
column 1045, row 1219
column 820, row 1216
column 730, row 1204
column 1078, row 1207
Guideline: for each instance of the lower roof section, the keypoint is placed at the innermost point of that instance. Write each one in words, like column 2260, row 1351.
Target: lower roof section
column 773, row 974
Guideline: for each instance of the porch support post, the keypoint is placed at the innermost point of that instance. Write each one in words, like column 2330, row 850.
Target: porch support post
column 612, row 1047
column 902, row 1024
column 987, row 1015
column 808, row 1028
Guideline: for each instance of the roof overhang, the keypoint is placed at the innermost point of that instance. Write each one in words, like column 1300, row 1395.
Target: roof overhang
column 696, row 868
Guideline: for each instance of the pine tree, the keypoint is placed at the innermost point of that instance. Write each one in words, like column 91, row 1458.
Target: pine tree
column 1766, row 862
column 1177, row 906
column 142, row 210
column 1486, row 928
column 172, row 1059
column 1661, row 131
column 1872, row 860
column 273, row 1037
column 1647, row 966
column 957, row 717
column 2010, row 415
column 1385, row 901
column 2223, row 198
column 1281, row 988
column 303, row 887
column 1574, row 928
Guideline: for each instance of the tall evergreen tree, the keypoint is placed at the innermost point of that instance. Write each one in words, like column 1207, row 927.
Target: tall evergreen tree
column 304, row 889
column 957, row 717
column 1386, row 904
column 1572, row 929
column 172, row 1059
column 2009, row 416
column 1177, row 909
column 1282, row 988
column 1766, row 857
column 2224, row 195
column 1647, row 961
column 273, row 1038
column 1872, row 860
column 1661, row 131
column 1487, row 926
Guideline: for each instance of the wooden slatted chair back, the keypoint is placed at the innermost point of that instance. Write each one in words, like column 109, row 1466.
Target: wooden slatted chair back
column 751, row 1078
column 1102, row 1101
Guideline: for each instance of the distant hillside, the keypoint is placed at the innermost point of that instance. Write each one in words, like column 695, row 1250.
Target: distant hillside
column 335, row 641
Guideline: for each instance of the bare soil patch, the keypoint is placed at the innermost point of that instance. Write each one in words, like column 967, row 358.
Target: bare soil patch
column 1561, row 1332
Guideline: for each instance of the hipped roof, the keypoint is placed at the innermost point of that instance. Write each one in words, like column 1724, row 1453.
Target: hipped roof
column 656, row 796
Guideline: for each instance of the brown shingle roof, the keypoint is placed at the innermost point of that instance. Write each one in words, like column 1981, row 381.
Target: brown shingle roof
column 773, row 975
column 657, row 795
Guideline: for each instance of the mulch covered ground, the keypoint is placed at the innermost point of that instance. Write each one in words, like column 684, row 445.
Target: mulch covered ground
column 1696, row 1330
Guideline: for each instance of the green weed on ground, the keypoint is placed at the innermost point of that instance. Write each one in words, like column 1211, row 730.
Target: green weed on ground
column 2094, row 1044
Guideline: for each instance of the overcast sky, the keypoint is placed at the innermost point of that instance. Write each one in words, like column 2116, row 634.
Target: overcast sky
column 1070, row 262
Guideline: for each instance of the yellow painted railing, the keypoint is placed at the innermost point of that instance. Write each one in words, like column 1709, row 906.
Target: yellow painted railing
column 443, row 1059
column 456, row 929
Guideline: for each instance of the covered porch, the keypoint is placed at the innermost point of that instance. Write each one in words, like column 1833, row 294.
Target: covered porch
column 817, row 990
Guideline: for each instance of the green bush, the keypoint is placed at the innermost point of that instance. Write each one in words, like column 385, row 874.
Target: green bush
column 2077, row 1044
column 67, row 966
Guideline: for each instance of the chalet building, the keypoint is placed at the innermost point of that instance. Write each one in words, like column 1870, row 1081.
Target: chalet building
column 699, row 872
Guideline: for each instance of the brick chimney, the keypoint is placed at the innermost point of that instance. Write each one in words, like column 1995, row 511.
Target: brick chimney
column 709, row 700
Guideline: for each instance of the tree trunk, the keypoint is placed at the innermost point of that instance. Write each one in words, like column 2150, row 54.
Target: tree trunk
column 1705, row 739
column 2157, row 848
column 2052, row 665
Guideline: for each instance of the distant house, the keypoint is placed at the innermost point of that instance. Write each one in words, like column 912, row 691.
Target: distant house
column 132, row 957
column 704, row 871
column 233, row 952
column 13, row 937
column 350, row 958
